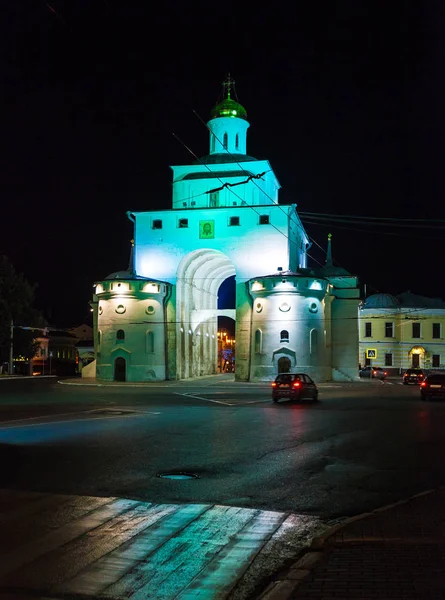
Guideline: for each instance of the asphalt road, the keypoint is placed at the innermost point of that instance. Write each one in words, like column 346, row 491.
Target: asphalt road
column 361, row 446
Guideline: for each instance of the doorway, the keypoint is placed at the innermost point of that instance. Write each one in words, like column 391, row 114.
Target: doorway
column 284, row 365
column 415, row 361
column 120, row 369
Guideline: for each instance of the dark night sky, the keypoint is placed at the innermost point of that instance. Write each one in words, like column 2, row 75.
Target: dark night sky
column 344, row 98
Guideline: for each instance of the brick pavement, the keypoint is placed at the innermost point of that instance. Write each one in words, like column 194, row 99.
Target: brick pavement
column 398, row 552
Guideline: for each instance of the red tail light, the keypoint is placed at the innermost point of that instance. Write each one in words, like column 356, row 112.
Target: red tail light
column 274, row 384
column 420, row 376
column 297, row 384
column 385, row 373
column 423, row 384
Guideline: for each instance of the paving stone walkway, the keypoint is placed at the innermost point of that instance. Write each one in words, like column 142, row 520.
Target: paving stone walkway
column 394, row 553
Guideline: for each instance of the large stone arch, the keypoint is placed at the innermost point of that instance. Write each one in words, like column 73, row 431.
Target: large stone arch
column 198, row 278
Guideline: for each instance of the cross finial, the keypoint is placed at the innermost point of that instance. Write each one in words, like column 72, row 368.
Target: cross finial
column 227, row 85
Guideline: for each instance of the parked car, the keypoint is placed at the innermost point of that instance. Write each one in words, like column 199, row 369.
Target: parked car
column 432, row 387
column 296, row 386
column 415, row 376
column 376, row 372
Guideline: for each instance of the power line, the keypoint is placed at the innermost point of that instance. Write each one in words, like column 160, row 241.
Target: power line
column 393, row 233
column 396, row 219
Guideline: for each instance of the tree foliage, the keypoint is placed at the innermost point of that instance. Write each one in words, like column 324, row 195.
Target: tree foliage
column 17, row 305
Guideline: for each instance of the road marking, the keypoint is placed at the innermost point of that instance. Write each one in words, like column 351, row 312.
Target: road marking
column 79, row 419
column 205, row 399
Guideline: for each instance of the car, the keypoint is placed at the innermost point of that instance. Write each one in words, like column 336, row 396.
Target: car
column 296, row 386
column 376, row 372
column 433, row 387
column 415, row 376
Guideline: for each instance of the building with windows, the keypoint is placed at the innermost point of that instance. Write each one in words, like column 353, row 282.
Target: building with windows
column 159, row 319
column 400, row 332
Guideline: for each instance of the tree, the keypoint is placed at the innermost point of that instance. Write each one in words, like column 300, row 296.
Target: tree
column 16, row 305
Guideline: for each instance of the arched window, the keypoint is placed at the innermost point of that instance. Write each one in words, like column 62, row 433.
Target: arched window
column 149, row 342
column 237, row 141
column 284, row 336
column 120, row 335
column 313, row 341
column 258, row 341
column 225, row 140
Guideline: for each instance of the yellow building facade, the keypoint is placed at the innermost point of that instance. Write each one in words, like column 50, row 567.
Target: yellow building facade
column 402, row 332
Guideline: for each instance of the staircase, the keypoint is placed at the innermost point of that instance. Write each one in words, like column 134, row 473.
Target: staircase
column 339, row 375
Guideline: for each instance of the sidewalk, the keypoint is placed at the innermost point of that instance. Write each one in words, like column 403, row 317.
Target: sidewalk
column 395, row 552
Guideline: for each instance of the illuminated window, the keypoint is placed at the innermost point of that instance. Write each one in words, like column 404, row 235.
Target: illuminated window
column 149, row 342
column 236, row 141
column 264, row 220
column 233, row 221
column 389, row 330
column 416, row 330
column 157, row 224
column 214, row 199
column 368, row 329
column 120, row 335
column 225, row 140
column 313, row 341
column 436, row 331
column 258, row 341
column 183, row 223
column 284, row 336
column 388, row 360
column 436, row 361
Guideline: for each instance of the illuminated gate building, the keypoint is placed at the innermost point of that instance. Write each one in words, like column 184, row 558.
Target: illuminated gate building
column 158, row 320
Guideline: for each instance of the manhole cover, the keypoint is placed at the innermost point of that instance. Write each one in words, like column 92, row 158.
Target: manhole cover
column 178, row 475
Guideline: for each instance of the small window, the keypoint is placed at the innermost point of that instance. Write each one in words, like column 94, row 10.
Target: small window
column 436, row 361
column 237, row 141
column 264, row 220
column 258, row 341
column 436, row 331
column 149, row 342
column 157, row 224
column 183, row 223
column 416, row 330
column 388, row 360
column 233, row 221
column 313, row 341
column 389, row 330
column 284, row 336
column 213, row 143
column 225, row 140
column 368, row 329
column 120, row 335
column 192, row 203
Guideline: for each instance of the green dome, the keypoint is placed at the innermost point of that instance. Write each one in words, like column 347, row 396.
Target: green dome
column 229, row 108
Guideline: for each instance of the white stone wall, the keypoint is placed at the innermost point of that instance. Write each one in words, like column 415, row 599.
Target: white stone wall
column 192, row 184
column 232, row 127
column 288, row 304
column 142, row 315
column 253, row 249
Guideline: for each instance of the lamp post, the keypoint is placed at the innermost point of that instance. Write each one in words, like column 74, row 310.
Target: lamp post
column 11, row 350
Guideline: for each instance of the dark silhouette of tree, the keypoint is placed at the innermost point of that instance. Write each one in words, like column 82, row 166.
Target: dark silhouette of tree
column 16, row 305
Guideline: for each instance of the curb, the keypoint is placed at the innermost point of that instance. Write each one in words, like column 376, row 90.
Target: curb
column 17, row 377
column 285, row 585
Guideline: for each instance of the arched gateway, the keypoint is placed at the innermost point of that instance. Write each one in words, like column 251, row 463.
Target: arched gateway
column 199, row 277
column 225, row 221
